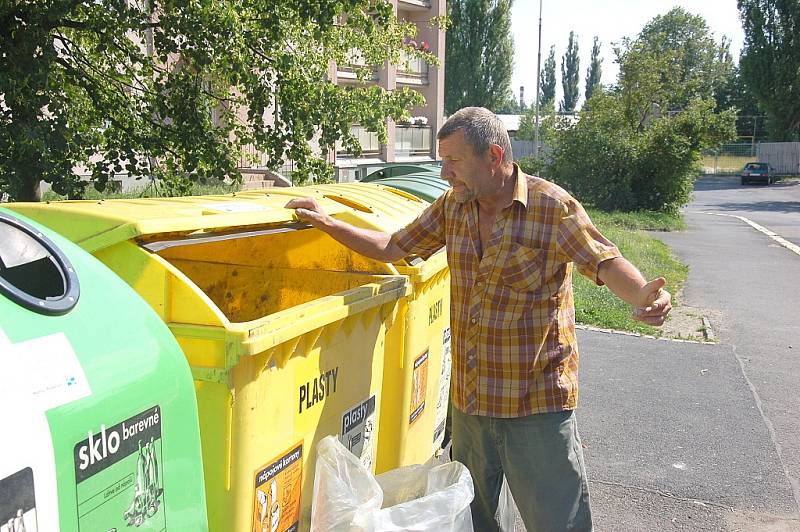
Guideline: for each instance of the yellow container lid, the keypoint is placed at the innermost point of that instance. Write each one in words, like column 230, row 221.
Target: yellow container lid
column 96, row 225
column 386, row 208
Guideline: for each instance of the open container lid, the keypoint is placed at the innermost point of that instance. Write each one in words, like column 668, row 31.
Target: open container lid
column 95, row 225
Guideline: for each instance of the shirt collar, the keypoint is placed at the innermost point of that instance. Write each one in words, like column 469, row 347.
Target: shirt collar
column 520, row 187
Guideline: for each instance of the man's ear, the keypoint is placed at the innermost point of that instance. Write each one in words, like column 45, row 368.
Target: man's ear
column 495, row 154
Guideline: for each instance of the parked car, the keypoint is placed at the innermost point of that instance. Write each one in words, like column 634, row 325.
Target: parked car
column 762, row 172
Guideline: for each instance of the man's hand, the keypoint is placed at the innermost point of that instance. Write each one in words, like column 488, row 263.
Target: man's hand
column 308, row 210
column 374, row 244
column 656, row 303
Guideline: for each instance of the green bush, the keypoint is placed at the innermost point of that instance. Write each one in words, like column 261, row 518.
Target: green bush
column 532, row 165
column 613, row 162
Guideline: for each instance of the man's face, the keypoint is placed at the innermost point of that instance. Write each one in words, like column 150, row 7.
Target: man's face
column 467, row 172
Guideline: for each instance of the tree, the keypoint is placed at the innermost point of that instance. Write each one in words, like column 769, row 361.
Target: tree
column 479, row 54
column 173, row 90
column 594, row 73
column 684, row 41
column 725, row 92
column 570, row 66
column 770, row 61
column 511, row 106
column 547, row 83
column 638, row 146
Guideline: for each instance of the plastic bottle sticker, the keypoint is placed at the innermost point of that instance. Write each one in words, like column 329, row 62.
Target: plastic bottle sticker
column 419, row 386
column 444, row 392
column 358, row 429
column 119, row 476
column 276, row 506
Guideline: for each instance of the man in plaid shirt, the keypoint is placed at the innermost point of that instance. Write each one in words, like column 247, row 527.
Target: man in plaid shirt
column 511, row 242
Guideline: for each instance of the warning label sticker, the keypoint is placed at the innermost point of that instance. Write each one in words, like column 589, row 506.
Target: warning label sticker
column 276, row 506
column 119, row 476
column 419, row 386
column 358, row 427
column 444, row 391
column 18, row 503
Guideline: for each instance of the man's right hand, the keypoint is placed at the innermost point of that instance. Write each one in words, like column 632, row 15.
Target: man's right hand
column 374, row 244
column 308, row 210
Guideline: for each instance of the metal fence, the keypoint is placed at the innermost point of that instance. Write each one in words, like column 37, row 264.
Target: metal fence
column 728, row 158
column 784, row 157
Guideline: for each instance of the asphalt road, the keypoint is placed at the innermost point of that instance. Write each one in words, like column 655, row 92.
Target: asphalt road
column 706, row 437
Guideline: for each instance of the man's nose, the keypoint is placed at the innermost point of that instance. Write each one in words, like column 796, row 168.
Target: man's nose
column 446, row 172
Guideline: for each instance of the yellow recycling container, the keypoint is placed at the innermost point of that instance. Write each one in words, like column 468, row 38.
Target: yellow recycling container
column 284, row 329
column 416, row 375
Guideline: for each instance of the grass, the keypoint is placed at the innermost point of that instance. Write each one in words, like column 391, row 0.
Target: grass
column 596, row 305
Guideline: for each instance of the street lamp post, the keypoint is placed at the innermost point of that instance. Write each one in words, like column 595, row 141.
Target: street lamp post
column 538, row 68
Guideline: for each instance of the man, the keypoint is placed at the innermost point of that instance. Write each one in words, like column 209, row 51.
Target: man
column 511, row 243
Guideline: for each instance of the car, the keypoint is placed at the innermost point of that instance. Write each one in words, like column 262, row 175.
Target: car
column 756, row 171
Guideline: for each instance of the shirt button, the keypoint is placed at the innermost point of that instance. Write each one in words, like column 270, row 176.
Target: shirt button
column 478, row 283
column 473, row 321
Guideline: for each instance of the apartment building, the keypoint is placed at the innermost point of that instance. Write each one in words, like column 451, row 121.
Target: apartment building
column 409, row 142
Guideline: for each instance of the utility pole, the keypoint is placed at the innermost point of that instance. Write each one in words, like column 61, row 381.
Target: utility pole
column 538, row 75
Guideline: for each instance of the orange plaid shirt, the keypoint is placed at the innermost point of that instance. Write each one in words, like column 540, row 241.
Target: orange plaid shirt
column 512, row 312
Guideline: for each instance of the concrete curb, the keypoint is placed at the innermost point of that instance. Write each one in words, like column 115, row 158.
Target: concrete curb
column 708, row 332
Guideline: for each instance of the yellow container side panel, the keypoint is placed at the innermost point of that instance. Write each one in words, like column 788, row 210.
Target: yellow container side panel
column 168, row 291
column 417, row 376
column 214, row 406
column 331, row 383
column 200, row 352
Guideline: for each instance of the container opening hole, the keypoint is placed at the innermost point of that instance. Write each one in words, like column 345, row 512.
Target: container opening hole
column 28, row 266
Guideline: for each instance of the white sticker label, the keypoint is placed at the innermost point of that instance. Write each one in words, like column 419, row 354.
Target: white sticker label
column 444, row 391
column 28, row 494
column 358, row 428
column 53, row 374
column 234, row 207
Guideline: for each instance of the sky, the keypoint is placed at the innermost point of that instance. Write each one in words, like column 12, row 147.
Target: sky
column 610, row 20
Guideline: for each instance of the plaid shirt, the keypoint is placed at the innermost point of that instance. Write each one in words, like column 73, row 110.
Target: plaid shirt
column 512, row 313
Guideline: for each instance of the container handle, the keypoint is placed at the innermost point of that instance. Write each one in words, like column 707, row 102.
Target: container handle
column 348, row 202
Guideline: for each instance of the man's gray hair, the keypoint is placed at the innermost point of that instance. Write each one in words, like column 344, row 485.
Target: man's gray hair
column 481, row 128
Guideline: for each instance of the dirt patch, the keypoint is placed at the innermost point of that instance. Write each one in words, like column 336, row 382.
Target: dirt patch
column 686, row 323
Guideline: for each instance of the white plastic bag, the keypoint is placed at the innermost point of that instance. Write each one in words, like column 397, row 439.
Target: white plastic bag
column 431, row 497
column 507, row 511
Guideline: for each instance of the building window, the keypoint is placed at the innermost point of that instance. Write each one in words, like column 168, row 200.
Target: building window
column 412, row 140
column 370, row 146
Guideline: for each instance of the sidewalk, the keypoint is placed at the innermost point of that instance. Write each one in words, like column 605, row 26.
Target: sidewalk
column 673, row 439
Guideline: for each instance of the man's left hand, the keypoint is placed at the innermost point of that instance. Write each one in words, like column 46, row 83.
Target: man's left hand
column 657, row 303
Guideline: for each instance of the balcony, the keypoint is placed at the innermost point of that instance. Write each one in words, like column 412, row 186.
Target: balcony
column 413, row 5
column 412, row 141
column 370, row 146
column 412, row 70
column 355, row 63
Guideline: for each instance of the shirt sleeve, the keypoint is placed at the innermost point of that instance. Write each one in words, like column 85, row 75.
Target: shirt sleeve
column 579, row 241
column 425, row 235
